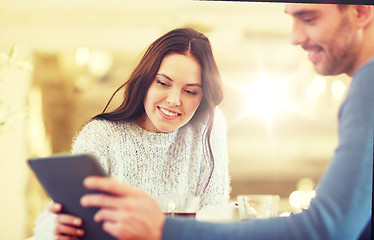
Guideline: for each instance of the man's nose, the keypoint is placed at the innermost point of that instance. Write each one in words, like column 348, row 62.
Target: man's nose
column 298, row 35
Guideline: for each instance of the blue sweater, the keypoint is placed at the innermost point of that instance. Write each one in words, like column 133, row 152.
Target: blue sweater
column 342, row 207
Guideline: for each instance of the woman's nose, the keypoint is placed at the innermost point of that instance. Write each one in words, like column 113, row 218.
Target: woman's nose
column 174, row 98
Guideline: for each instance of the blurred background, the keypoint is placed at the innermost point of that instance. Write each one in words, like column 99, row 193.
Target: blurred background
column 60, row 61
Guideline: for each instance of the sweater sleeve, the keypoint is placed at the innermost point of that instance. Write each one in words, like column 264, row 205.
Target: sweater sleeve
column 218, row 189
column 94, row 138
column 343, row 202
column 44, row 225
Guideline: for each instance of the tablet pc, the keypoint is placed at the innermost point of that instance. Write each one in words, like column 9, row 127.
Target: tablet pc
column 62, row 177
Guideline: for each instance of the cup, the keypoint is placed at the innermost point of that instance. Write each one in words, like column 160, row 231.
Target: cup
column 180, row 206
column 252, row 206
column 226, row 212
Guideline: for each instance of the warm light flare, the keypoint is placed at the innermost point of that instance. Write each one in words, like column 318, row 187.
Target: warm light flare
column 266, row 97
column 338, row 89
column 317, row 88
column 82, row 56
column 100, row 63
column 300, row 199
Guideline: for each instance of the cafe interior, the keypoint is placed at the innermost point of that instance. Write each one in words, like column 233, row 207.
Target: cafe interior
column 60, row 61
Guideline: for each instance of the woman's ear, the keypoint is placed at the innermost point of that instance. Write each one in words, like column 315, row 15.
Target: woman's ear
column 364, row 15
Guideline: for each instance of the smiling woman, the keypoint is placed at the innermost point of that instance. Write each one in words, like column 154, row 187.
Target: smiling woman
column 167, row 136
column 178, row 81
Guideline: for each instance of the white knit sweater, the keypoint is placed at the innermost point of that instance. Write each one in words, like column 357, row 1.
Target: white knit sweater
column 162, row 164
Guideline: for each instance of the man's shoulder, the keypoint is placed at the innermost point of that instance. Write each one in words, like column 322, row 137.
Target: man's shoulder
column 366, row 68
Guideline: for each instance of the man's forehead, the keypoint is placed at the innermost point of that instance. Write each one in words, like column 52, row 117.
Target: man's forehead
column 295, row 9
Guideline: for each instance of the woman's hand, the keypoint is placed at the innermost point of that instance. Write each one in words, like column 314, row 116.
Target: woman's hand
column 66, row 226
column 126, row 212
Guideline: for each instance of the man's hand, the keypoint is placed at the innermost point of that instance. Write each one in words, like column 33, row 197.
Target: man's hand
column 126, row 211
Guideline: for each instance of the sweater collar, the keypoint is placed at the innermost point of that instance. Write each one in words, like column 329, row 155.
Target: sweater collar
column 153, row 138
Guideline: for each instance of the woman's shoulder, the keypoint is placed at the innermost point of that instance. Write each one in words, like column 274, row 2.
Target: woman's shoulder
column 103, row 124
column 98, row 131
column 101, row 127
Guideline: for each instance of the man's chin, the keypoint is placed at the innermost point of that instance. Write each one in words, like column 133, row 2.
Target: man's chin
column 320, row 71
column 323, row 70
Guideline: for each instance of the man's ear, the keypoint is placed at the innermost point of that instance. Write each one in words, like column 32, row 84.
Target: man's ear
column 364, row 15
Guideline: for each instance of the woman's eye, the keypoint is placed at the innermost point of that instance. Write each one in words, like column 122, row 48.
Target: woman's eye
column 191, row 92
column 162, row 83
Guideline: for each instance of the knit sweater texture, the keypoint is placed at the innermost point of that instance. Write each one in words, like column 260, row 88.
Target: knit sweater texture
column 162, row 164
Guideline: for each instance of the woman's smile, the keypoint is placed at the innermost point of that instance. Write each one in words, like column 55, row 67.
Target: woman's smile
column 166, row 113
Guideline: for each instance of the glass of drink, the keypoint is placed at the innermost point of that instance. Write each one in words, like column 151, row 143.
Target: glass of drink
column 253, row 206
column 180, row 206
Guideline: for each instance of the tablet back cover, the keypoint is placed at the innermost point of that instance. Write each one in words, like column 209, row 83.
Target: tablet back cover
column 62, row 178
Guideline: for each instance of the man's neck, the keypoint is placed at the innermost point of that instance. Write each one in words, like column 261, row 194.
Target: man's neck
column 367, row 48
column 366, row 52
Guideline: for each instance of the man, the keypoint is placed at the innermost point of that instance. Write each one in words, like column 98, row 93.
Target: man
column 338, row 39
